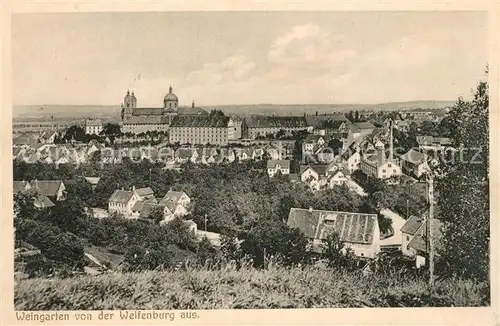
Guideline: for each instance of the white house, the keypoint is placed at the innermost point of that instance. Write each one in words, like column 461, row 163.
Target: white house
column 122, row 202
column 338, row 178
column 415, row 163
column 93, row 126
column 379, row 167
column 351, row 161
column 359, row 232
column 273, row 166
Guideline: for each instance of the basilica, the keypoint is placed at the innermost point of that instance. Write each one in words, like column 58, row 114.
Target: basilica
column 138, row 120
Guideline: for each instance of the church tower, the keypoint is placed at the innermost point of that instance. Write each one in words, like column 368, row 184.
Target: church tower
column 170, row 101
column 127, row 100
column 133, row 100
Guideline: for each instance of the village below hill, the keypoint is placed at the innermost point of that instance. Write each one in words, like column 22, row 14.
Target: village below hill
column 371, row 193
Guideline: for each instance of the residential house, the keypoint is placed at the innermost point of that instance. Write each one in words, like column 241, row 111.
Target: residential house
column 338, row 178
column 122, row 202
column 379, row 167
column 175, row 203
column 364, row 128
column 415, row 163
column 351, row 160
column 51, row 188
column 275, row 166
column 317, row 175
column 433, row 143
column 313, row 142
column 359, row 232
column 414, row 242
column 49, row 137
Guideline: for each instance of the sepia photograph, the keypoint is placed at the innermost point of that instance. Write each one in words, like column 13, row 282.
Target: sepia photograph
column 205, row 160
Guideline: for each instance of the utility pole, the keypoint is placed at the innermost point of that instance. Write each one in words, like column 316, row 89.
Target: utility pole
column 150, row 177
column 205, row 222
column 430, row 242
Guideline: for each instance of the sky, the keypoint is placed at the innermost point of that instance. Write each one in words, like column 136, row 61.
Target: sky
column 223, row 58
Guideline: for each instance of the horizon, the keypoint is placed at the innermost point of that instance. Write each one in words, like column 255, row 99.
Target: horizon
column 275, row 58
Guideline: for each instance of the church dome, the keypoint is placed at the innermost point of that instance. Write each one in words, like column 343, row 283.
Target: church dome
column 171, row 96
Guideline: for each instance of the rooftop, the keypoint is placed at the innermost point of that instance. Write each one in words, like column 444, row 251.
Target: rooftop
column 317, row 224
column 200, row 121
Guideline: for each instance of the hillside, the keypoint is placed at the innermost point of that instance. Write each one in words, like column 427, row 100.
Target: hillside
column 113, row 111
column 247, row 288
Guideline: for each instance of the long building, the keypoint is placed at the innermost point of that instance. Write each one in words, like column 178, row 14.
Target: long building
column 263, row 125
column 199, row 130
column 138, row 120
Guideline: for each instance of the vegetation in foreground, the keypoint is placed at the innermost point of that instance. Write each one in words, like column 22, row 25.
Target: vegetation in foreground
column 245, row 288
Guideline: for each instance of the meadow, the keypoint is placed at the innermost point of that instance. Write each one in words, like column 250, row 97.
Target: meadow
column 245, row 288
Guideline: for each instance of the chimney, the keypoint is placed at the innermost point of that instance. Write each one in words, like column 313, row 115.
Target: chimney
column 133, row 188
column 391, row 146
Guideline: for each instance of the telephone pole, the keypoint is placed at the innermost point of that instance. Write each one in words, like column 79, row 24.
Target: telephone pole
column 430, row 242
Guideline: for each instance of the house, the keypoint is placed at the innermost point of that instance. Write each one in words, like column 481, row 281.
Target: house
column 142, row 208
column 122, row 202
column 49, row 137
column 313, row 142
column 144, row 193
column 433, row 143
column 93, row 181
column 414, row 242
column 20, row 186
column 178, row 197
column 351, row 160
column 415, row 163
column 275, row 166
column 359, row 232
column 364, row 128
column 175, row 203
column 379, row 167
column 338, row 178
column 51, row 188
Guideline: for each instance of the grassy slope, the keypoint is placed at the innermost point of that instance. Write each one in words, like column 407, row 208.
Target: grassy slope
column 247, row 288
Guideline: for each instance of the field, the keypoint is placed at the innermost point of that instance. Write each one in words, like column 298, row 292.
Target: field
column 247, row 288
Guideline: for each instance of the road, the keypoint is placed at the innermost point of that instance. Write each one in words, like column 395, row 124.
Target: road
column 397, row 222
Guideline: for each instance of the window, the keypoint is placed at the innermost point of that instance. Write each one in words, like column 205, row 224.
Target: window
column 383, row 171
column 407, row 238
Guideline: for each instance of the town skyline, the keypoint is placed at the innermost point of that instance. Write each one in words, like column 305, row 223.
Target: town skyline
column 308, row 58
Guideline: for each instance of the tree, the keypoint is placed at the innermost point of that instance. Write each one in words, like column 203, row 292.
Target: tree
column 464, row 191
column 157, row 215
column 336, row 253
column 74, row 132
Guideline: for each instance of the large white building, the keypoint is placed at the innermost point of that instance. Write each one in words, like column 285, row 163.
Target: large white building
column 93, row 126
column 139, row 120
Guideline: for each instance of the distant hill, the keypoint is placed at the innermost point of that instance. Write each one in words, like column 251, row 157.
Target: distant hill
column 112, row 112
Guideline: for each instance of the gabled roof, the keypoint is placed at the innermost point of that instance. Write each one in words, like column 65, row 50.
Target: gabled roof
column 42, row 201
column 199, row 121
column 271, row 164
column 93, row 122
column 315, row 138
column 46, row 187
column 319, row 168
column 277, row 122
column 20, row 186
column 145, row 192
column 317, row 224
column 414, row 157
column 172, row 196
column 412, row 225
column 364, row 125
column 419, row 243
column 121, row 196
